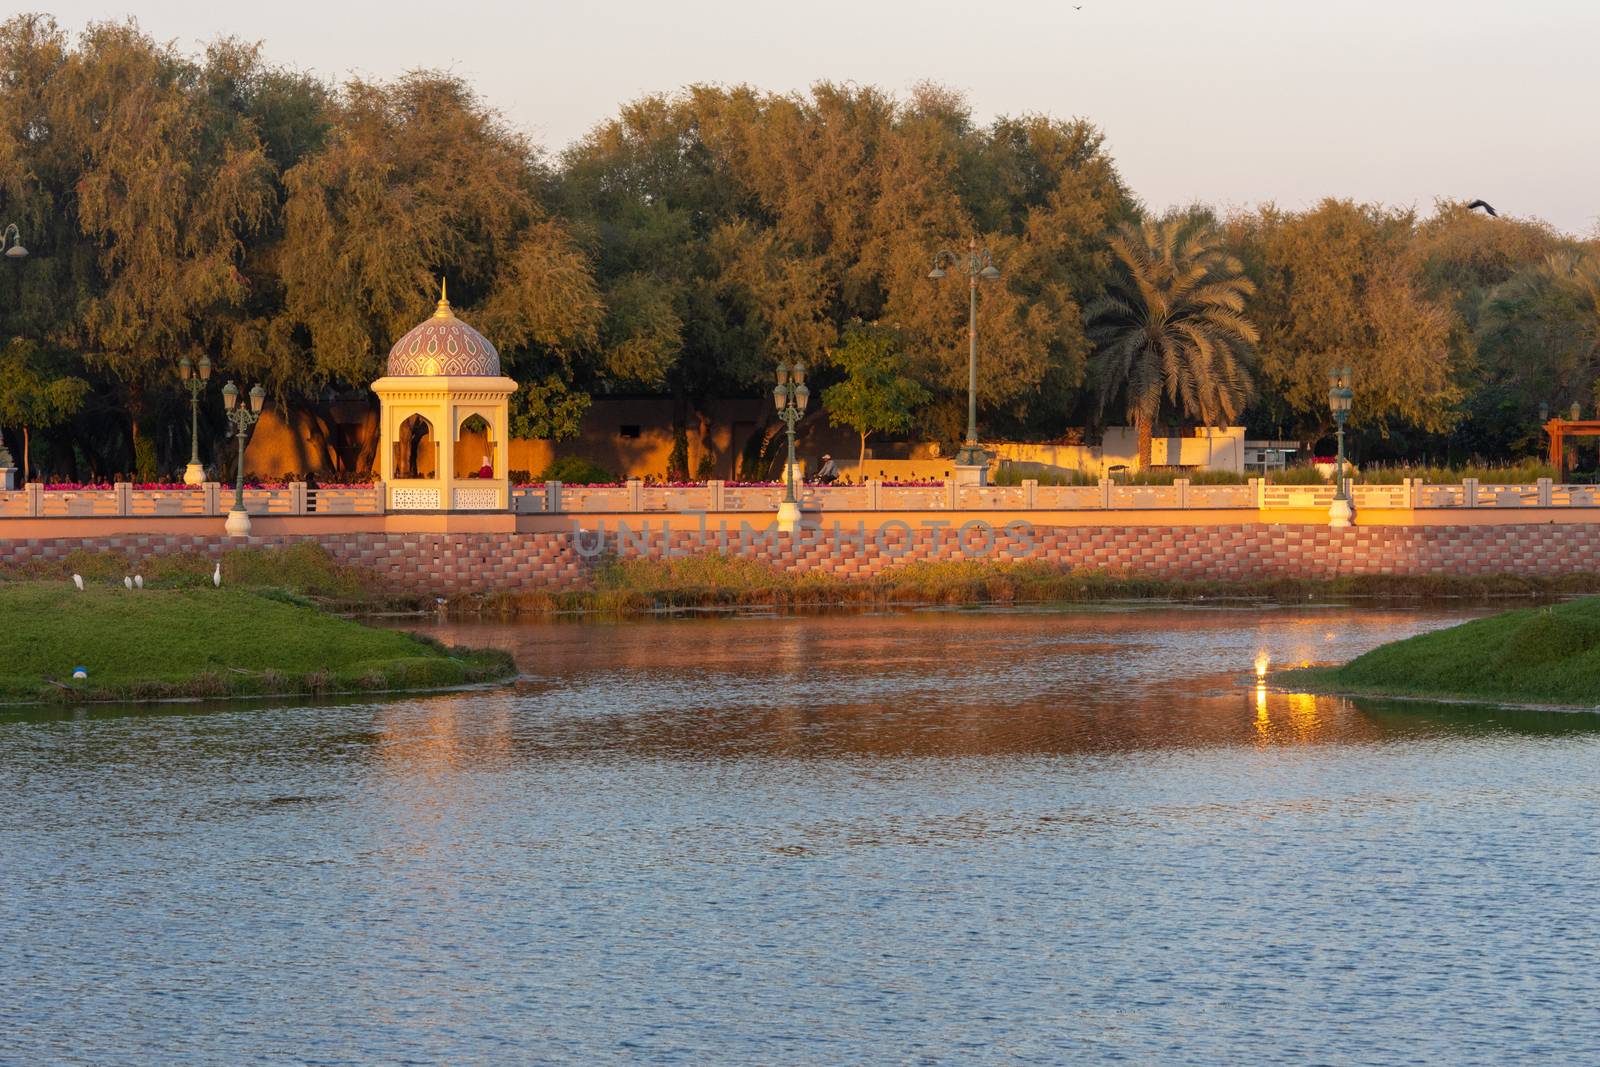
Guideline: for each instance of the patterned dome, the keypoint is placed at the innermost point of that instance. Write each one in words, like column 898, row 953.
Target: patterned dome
column 443, row 345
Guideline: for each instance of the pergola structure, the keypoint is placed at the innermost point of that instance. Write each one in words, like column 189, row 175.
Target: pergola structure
column 1561, row 429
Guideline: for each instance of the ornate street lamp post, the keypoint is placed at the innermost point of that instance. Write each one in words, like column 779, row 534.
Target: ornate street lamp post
column 789, row 396
column 8, row 469
column 242, row 417
column 1339, row 397
column 972, row 466
column 194, row 473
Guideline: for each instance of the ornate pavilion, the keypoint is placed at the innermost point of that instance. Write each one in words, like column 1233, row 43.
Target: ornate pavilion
column 444, row 419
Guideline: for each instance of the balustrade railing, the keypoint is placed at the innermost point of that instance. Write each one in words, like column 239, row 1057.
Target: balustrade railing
column 297, row 498
column 34, row 501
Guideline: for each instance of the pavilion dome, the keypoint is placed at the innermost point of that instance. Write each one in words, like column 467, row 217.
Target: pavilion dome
column 443, row 345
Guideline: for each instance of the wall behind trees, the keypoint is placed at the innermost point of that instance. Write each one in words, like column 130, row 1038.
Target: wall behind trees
column 219, row 204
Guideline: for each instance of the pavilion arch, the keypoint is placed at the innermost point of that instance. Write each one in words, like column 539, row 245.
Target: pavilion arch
column 416, row 449
column 477, row 445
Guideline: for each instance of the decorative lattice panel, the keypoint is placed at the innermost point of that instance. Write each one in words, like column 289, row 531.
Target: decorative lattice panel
column 475, row 499
column 414, row 500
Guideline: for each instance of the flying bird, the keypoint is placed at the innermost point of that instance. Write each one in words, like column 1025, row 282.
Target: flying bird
column 1476, row 204
column 138, row 580
column 127, row 582
column 77, row 580
column 216, row 576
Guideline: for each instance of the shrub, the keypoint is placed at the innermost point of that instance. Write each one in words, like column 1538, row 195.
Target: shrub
column 1297, row 476
column 1017, row 473
column 1168, row 475
column 575, row 470
column 1524, row 473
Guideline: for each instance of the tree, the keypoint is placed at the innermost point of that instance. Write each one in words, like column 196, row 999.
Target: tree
column 1539, row 339
column 419, row 179
column 874, row 396
column 166, row 185
column 34, row 393
column 1342, row 285
column 1172, row 328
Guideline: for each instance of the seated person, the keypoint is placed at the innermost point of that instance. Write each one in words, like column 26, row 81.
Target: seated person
column 828, row 473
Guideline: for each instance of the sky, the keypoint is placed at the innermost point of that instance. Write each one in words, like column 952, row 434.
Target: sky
column 1229, row 102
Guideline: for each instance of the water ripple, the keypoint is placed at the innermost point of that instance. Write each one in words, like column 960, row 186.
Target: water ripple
column 944, row 838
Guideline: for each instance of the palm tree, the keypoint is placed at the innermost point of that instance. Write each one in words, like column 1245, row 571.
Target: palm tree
column 1172, row 327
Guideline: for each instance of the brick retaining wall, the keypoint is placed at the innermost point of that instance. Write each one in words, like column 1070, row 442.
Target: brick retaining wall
column 446, row 563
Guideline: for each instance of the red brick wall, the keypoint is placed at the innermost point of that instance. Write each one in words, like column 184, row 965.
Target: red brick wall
column 450, row 563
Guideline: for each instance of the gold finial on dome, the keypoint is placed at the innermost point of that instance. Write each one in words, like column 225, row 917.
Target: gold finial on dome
column 443, row 310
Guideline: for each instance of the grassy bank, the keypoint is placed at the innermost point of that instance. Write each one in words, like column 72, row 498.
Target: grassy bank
column 1543, row 655
column 621, row 587
column 206, row 642
column 303, row 570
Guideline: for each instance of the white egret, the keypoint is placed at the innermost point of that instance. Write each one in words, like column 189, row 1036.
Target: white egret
column 77, row 580
column 138, row 580
column 127, row 582
column 216, row 576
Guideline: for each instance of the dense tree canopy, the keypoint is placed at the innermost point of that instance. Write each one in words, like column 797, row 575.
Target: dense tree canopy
column 290, row 228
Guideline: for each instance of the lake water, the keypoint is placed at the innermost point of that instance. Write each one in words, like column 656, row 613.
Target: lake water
column 941, row 837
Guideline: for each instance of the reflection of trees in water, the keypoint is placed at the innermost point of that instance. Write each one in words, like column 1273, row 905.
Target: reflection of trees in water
column 930, row 683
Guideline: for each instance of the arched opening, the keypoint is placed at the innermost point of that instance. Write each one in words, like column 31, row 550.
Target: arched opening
column 416, row 453
column 475, row 448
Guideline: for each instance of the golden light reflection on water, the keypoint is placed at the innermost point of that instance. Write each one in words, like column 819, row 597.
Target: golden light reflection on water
column 1302, row 718
column 436, row 734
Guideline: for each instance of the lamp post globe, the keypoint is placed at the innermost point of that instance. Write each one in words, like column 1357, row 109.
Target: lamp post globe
column 972, row 463
column 1340, row 397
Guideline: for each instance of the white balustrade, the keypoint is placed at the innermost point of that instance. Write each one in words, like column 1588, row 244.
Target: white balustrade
column 751, row 497
column 1378, row 496
column 991, row 497
column 1144, row 496
column 344, row 500
column 1220, row 496
column 1296, row 496
column 1067, row 497
column 167, row 501
column 215, row 499
column 913, row 498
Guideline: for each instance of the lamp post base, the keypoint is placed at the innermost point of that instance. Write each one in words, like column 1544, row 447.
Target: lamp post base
column 971, row 454
column 238, row 524
column 194, row 474
column 788, row 517
column 971, row 473
column 1340, row 513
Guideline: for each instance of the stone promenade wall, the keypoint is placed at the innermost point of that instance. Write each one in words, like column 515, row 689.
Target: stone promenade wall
column 445, row 563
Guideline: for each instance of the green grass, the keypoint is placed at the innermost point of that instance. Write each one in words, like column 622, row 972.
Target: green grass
column 207, row 642
column 302, row 570
column 1543, row 655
